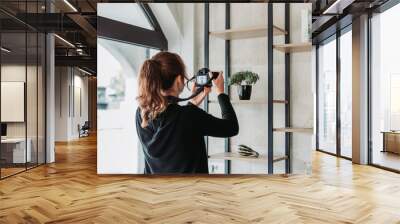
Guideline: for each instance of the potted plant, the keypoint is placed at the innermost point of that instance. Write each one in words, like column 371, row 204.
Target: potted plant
column 244, row 80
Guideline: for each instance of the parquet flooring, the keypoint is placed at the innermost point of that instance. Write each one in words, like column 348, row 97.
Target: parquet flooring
column 70, row 191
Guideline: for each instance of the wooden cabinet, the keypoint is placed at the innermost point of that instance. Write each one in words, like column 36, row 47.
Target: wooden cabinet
column 391, row 142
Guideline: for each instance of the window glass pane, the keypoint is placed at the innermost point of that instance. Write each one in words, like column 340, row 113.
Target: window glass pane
column 41, row 98
column 346, row 93
column 385, row 86
column 118, row 145
column 327, row 97
column 14, row 153
column 31, row 99
column 130, row 13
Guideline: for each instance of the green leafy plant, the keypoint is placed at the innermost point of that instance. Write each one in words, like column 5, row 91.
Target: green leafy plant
column 247, row 77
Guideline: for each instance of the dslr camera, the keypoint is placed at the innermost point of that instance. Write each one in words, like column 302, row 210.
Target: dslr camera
column 204, row 77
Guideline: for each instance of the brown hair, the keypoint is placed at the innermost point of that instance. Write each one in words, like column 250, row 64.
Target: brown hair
column 157, row 75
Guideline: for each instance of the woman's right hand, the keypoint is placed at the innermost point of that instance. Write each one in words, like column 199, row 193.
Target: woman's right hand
column 219, row 83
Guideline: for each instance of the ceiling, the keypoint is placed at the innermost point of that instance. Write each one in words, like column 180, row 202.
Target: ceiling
column 76, row 22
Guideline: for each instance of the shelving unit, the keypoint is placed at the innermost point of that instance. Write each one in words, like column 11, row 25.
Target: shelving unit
column 287, row 48
column 268, row 32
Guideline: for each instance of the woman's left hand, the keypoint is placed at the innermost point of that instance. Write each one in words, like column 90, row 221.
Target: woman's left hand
column 199, row 98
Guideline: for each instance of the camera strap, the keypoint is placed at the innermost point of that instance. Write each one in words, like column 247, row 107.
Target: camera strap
column 173, row 99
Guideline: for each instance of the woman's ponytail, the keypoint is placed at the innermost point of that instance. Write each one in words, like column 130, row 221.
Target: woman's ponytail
column 151, row 100
column 157, row 75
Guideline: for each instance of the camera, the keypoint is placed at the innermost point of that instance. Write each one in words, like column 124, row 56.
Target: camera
column 203, row 78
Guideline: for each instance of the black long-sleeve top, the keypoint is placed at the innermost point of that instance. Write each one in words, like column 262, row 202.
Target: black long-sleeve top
column 174, row 141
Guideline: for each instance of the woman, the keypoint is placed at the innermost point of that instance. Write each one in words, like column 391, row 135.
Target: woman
column 172, row 136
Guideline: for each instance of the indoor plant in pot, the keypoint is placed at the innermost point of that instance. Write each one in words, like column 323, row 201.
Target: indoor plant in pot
column 244, row 81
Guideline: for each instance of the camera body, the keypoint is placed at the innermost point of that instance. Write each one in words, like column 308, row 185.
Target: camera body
column 203, row 78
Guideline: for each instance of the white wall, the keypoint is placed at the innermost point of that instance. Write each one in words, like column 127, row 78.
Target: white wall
column 69, row 82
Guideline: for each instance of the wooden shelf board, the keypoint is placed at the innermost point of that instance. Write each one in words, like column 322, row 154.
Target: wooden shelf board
column 293, row 47
column 236, row 156
column 280, row 101
column 291, row 129
column 251, row 101
column 243, row 101
column 248, row 32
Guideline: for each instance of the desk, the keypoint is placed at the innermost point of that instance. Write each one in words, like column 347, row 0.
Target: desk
column 391, row 141
column 15, row 148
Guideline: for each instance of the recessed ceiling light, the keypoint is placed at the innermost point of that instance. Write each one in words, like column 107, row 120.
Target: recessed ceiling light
column 84, row 71
column 70, row 5
column 64, row 40
column 338, row 6
column 5, row 50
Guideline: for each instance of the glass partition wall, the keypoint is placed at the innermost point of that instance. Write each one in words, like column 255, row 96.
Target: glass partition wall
column 334, row 94
column 22, row 77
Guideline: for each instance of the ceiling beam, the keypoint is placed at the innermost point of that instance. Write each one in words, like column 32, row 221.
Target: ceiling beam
column 83, row 23
column 337, row 7
column 78, row 61
column 115, row 30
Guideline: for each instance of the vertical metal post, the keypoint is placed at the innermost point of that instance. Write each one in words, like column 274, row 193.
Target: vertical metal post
column 270, row 89
column 227, row 75
column 287, row 92
column 1, row 164
column 45, row 89
column 369, row 96
column 338, row 123
column 26, row 88
column 206, row 52
column 317, row 96
column 37, row 90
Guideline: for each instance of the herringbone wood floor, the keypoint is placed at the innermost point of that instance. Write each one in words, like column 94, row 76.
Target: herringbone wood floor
column 69, row 191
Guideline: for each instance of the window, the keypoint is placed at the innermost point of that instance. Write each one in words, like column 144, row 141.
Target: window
column 118, row 67
column 119, row 62
column 327, row 97
column 346, row 94
column 129, row 13
column 385, row 89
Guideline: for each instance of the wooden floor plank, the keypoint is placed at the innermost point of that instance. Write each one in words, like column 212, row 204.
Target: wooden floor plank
column 70, row 191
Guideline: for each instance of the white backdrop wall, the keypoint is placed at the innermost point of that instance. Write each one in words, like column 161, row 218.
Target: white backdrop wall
column 183, row 26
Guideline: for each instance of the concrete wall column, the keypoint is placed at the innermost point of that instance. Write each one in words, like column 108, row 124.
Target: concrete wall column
column 50, row 99
column 360, row 90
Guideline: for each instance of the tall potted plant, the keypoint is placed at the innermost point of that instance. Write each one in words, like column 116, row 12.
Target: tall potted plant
column 244, row 81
